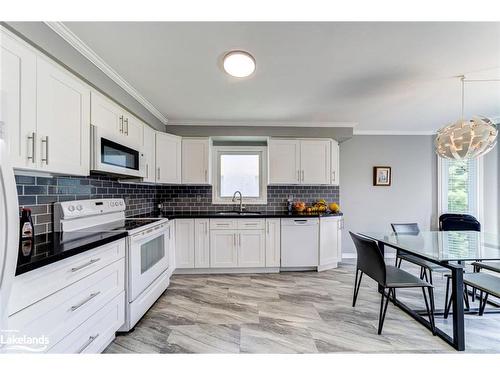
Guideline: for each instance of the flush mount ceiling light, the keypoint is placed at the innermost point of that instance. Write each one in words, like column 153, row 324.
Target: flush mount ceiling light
column 466, row 139
column 239, row 64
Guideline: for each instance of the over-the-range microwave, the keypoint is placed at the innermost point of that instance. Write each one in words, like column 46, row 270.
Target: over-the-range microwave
column 108, row 155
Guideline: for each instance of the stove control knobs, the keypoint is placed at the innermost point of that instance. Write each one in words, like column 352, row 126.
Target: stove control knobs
column 112, row 204
column 79, row 207
column 71, row 208
column 121, row 203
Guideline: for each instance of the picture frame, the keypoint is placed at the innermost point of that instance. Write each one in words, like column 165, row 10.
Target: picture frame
column 382, row 176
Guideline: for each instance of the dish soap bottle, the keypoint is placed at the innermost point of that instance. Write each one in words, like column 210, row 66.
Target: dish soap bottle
column 26, row 225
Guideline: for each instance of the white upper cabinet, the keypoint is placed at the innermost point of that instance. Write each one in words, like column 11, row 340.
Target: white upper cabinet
column 335, row 162
column 300, row 161
column 315, row 162
column 284, row 161
column 18, row 100
column 168, row 158
column 116, row 123
column 63, row 121
column 196, row 160
column 149, row 147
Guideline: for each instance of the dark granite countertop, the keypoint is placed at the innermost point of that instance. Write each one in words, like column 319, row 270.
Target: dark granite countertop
column 213, row 215
column 52, row 247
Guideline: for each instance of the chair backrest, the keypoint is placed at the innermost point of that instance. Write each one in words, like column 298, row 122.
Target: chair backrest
column 458, row 222
column 406, row 228
column 370, row 259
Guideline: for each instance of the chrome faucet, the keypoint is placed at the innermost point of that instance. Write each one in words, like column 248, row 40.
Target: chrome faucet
column 241, row 199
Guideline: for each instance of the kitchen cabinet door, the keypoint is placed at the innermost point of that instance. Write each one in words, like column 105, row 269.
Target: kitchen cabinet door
column 201, row 243
column 168, row 158
column 106, row 115
column 329, row 242
column 223, row 249
column 273, row 242
column 196, row 161
column 251, row 248
column 184, row 243
column 335, row 162
column 149, row 147
column 133, row 129
column 18, row 100
column 284, row 161
column 315, row 162
column 63, row 120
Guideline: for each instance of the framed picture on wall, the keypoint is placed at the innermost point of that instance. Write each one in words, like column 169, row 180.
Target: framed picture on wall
column 382, row 176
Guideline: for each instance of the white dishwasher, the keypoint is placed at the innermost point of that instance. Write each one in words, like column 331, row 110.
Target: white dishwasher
column 299, row 243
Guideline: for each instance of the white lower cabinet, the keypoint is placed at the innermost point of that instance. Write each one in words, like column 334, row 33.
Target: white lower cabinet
column 251, row 248
column 273, row 242
column 184, row 243
column 330, row 229
column 78, row 313
column 223, row 248
column 201, row 243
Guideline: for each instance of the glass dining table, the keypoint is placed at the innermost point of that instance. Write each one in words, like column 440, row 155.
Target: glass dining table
column 450, row 250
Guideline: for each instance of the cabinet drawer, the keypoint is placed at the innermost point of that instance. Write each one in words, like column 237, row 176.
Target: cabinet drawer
column 57, row 315
column 223, row 223
column 96, row 332
column 251, row 223
column 33, row 286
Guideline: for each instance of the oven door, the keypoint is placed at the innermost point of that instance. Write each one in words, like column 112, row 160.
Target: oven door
column 110, row 156
column 148, row 258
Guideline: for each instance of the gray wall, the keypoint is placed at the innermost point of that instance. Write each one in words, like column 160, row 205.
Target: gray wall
column 40, row 35
column 492, row 191
column 412, row 197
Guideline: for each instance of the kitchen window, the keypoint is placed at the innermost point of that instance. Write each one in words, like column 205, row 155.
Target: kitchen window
column 240, row 168
column 460, row 187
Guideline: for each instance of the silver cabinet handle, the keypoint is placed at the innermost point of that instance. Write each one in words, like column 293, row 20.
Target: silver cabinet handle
column 92, row 261
column 302, row 175
column 46, row 141
column 121, row 124
column 206, row 175
column 239, row 238
column 32, row 138
column 333, row 175
column 267, row 227
column 126, row 128
column 298, row 175
column 234, row 239
column 147, row 170
column 158, row 173
column 89, row 341
column 86, row 300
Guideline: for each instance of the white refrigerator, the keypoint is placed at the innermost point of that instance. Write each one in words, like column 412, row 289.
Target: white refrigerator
column 9, row 230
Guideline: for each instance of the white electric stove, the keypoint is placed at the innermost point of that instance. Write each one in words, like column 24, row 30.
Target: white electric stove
column 147, row 272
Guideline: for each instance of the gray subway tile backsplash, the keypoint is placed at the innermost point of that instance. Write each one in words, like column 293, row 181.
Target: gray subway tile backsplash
column 40, row 193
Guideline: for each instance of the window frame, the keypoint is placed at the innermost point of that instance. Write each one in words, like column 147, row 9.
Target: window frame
column 479, row 201
column 239, row 150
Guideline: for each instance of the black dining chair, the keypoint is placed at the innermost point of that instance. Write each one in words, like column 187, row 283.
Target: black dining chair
column 370, row 261
column 458, row 222
column 426, row 267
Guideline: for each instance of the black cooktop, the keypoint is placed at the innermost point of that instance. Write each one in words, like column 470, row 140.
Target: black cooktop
column 131, row 224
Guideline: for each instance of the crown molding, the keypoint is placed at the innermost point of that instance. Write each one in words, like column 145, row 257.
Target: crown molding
column 73, row 40
column 394, row 132
column 304, row 124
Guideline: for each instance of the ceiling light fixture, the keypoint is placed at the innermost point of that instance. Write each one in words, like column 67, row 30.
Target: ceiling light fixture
column 239, row 64
column 467, row 139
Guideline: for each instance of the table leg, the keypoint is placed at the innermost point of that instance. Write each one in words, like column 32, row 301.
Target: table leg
column 457, row 279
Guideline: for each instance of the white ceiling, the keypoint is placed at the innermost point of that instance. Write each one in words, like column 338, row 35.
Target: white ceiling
column 380, row 76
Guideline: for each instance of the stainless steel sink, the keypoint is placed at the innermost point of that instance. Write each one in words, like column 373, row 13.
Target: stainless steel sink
column 237, row 213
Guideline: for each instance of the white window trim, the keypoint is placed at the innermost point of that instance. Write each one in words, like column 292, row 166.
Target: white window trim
column 216, row 150
column 479, row 188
